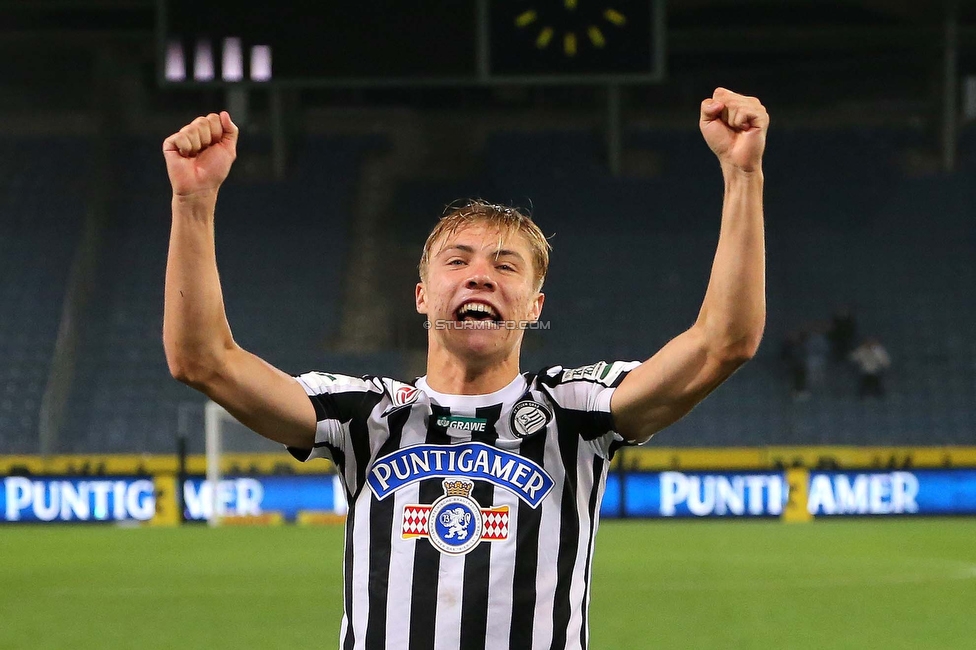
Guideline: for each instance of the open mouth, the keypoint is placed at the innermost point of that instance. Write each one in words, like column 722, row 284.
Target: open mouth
column 477, row 313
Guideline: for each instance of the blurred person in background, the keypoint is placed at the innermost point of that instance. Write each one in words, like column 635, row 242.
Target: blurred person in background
column 842, row 333
column 872, row 361
column 792, row 353
column 815, row 350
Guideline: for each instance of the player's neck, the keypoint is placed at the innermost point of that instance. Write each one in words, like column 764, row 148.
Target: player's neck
column 448, row 374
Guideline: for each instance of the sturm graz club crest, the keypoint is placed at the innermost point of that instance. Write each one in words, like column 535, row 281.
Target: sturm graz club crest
column 529, row 417
column 455, row 523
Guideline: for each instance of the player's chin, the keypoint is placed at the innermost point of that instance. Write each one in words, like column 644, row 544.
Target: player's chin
column 487, row 332
column 483, row 340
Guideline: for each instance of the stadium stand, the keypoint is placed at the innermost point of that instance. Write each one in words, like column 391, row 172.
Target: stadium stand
column 280, row 249
column 42, row 205
column 847, row 225
column 849, row 220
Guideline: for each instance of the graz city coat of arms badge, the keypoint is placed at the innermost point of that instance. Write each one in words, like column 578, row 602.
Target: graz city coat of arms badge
column 455, row 523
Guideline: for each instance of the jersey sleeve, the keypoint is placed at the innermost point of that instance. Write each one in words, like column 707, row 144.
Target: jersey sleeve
column 343, row 405
column 583, row 396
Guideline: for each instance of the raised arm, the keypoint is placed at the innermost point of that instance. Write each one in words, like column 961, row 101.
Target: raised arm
column 730, row 324
column 200, row 349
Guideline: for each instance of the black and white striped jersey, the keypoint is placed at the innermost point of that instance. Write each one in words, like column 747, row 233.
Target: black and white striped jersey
column 472, row 518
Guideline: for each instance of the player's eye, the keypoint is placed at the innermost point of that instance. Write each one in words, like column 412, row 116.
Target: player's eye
column 455, row 262
column 506, row 267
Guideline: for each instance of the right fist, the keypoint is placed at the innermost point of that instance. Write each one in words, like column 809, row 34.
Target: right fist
column 199, row 156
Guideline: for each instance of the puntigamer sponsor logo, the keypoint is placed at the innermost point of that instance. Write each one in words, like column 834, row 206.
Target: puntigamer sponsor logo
column 877, row 493
column 473, row 460
column 74, row 499
column 704, row 495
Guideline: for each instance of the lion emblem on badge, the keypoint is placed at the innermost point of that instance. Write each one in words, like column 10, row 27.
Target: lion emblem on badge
column 456, row 522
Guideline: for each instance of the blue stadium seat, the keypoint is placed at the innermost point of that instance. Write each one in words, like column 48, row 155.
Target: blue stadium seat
column 631, row 263
column 281, row 248
column 845, row 226
column 43, row 194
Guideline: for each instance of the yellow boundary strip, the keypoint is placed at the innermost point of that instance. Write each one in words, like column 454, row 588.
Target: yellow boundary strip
column 272, row 463
column 266, row 519
column 642, row 459
column 314, row 518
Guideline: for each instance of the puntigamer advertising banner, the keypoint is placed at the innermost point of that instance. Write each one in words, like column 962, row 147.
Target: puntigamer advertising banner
column 104, row 498
column 128, row 498
column 766, row 494
column 670, row 494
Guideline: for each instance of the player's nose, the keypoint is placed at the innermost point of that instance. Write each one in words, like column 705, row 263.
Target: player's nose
column 480, row 275
column 480, row 281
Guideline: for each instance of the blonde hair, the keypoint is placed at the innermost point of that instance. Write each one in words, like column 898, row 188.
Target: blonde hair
column 509, row 221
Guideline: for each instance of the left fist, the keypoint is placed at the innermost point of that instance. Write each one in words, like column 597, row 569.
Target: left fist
column 735, row 128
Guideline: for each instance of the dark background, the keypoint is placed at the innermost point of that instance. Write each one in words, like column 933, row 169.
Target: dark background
column 377, row 117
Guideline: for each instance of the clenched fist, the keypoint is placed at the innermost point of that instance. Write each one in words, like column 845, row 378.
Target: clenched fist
column 735, row 127
column 199, row 156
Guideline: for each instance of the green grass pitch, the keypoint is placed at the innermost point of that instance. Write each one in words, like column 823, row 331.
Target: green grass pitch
column 716, row 584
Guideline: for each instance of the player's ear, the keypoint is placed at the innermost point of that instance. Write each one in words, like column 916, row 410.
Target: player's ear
column 535, row 308
column 420, row 296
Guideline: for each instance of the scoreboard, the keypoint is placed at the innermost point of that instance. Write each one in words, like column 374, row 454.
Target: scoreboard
column 595, row 37
column 427, row 42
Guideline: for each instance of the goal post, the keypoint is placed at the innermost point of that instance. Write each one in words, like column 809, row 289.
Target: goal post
column 213, row 415
column 225, row 435
column 246, row 484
